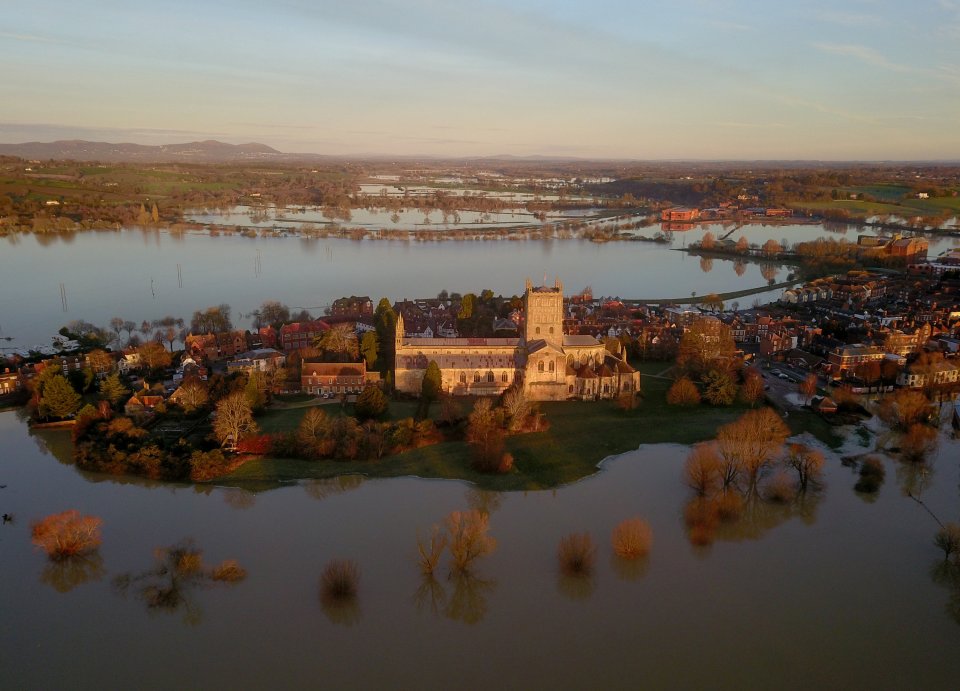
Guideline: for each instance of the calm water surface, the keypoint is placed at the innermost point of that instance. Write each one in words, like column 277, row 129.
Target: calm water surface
column 838, row 597
column 133, row 274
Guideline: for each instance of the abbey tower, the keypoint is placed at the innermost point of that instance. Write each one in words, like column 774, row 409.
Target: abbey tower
column 543, row 313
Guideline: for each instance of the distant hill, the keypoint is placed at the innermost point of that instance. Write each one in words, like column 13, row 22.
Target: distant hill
column 208, row 151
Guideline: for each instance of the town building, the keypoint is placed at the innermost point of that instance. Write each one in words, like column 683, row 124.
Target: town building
column 353, row 306
column 9, row 381
column 333, row 378
column 301, row 335
column 680, row 213
column 259, row 360
column 547, row 363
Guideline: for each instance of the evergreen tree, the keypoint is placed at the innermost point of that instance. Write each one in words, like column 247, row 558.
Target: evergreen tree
column 59, row 399
column 432, row 381
column 113, row 390
column 255, row 391
column 372, row 403
column 370, row 348
column 385, row 322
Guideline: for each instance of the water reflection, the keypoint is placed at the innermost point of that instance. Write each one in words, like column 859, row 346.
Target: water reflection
column 430, row 595
column 342, row 612
column 339, row 587
column 483, row 500
column 169, row 587
column 327, row 487
column 630, row 570
column 240, row 499
column 66, row 574
column 464, row 598
column 706, row 264
column 946, row 572
column 576, row 587
column 469, row 601
column 730, row 517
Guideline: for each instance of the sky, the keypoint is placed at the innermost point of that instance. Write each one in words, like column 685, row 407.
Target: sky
column 675, row 79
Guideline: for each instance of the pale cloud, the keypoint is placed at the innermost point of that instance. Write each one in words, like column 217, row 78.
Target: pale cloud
column 864, row 54
column 30, row 38
column 854, row 19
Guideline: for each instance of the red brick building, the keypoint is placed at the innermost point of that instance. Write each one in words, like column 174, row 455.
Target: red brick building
column 318, row 378
column 301, row 334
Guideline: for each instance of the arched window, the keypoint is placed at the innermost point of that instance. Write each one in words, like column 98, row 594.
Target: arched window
column 476, row 377
column 504, row 378
column 537, row 331
column 540, row 366
column 490, row 377
column 463, row 377
column 552, row 366
column 551, row 329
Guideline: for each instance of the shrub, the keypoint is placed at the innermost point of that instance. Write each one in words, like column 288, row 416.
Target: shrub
column 259, row 445
column 576, row 554
column 372, row 403
column 229, row 571
column 340, row 581
column 683, row 392
column 67, row 534
column 632, row 538
column 506, row 463
column 719, row 388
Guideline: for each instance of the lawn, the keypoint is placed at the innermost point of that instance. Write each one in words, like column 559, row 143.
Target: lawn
column 581, row 434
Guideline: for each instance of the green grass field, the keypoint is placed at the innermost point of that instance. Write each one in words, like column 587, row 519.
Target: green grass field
column 581, row 434
column 893, row 206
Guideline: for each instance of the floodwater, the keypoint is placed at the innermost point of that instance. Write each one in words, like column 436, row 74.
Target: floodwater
column 837, row 593
column 293, row 218
column 146, row 274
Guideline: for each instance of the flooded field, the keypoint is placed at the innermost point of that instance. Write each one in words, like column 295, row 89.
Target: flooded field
column 834, row 592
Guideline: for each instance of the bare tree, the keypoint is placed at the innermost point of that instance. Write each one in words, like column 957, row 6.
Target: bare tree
column 749, row 444
column 193, row 394
column 233, row 419
column 517, row 406
column 807, row 462
column 340, row 343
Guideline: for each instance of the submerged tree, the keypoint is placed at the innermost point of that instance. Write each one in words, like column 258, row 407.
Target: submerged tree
column 339, row 587
column 467, row 538
column 177, row 572
column 749, row 444
column 807, row 462
column 66, row 535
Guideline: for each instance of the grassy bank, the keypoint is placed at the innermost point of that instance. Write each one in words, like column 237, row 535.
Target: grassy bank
column 581, row 434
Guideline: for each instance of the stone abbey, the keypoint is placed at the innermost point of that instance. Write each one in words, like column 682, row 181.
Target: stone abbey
column 548, row 364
